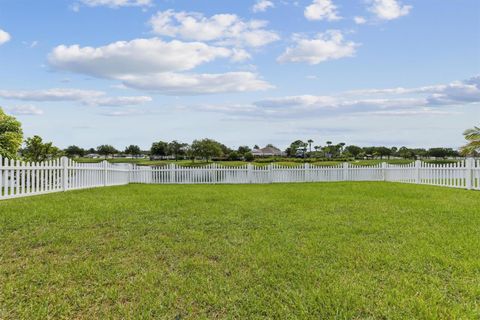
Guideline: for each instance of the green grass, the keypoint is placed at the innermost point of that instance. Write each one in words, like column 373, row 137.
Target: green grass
column 285, row 251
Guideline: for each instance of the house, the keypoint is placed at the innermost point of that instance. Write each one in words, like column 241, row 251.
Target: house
column 269, row 151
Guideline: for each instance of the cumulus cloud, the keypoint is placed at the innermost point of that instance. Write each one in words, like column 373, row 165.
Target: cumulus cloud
column 192, row 84
column 116, row 3
column 4, row 37
column 25, row 110
column 389, row 9
column 135, row 57
column 87, row 97
column 156, row 65
column 262, row 5
column 322, row 10
column 330, row 45
column 225, row 29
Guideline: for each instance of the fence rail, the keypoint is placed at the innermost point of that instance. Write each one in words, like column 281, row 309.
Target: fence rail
column 19, row 179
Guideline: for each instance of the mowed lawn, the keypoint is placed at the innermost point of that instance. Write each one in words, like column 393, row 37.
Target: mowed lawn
column 283, row 251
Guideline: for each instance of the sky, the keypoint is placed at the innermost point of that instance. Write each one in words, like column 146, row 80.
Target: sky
column 121, row 72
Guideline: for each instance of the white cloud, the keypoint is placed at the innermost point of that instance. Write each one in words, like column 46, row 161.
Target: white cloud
column 139, row 56
column 123, row 113
column 429, row 100
column 389, row 9
column 330, row 45
column 87, row 97
column 152, row 64
column 25, row 110
column 117, row 101
column 262, row 5
column 117, row 3
column 192, row 84
column 4, row 37
column 359, row 20
column 322, row 10
column 51, row 94
column 225, row 29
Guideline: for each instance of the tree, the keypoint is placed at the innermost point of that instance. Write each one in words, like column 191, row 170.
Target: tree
column 294, row 146
column 74, row 151
column 11, row 135
column 133, row 150
column 249, row 157
column 206, row 149
column 353, row 150
column 159, row 148
column 177, row 149
column 473, row 137
column 36, row 150
column 233, row 156
column 106, row 150
column 242, row 150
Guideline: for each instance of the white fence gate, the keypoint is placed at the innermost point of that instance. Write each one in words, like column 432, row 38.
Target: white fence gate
column 19, row 178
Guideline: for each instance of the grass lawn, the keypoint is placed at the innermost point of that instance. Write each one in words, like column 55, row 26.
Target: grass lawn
column 284, row 251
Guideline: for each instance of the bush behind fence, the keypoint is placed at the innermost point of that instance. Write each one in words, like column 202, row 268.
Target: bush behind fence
column 18, row 178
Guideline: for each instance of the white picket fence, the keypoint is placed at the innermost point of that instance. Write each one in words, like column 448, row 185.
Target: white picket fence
column 18, row 179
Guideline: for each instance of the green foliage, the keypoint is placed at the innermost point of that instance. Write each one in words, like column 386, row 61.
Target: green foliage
column 234, row 156
column 206, row 149
column 249, row 157
column 473, row 137
column 133, row 150
column 366, row 250
column 177, row 149
column 36, row 150
column 294, row 146
column 74, row 151
column 243, row 150
column 11, row 135
column 106, row 150
column 159, row 148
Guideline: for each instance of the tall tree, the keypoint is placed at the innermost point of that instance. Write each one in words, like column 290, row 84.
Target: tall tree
column 473, row 137
column 74, row 151
column 36, row 150
column 106, row 150
column 133, row 150
column 11, row 135
column 206, row 148
column 159, row 148
column 177, row 149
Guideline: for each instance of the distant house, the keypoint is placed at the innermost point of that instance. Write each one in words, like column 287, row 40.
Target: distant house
column 268, row 152
column 92, row 155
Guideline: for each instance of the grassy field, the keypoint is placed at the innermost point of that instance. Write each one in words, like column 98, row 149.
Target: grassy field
column 296, row 251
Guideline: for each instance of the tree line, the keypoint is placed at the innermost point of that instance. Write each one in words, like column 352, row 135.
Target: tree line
column 13, row 146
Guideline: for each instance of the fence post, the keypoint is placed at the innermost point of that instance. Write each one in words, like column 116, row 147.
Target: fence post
column 418, row 164
column 172, row 172
column 306, row 168
column 469, row 163
column 384, row 171
column 270, row 173
column 249, row 173
column 345, row 171
column 64, row 162
column 105, row 175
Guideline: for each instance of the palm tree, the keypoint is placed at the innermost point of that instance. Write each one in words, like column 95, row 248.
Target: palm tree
column 473, row 137
column 310, row 141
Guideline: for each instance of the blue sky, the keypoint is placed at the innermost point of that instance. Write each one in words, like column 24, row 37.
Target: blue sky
column 366, row 72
